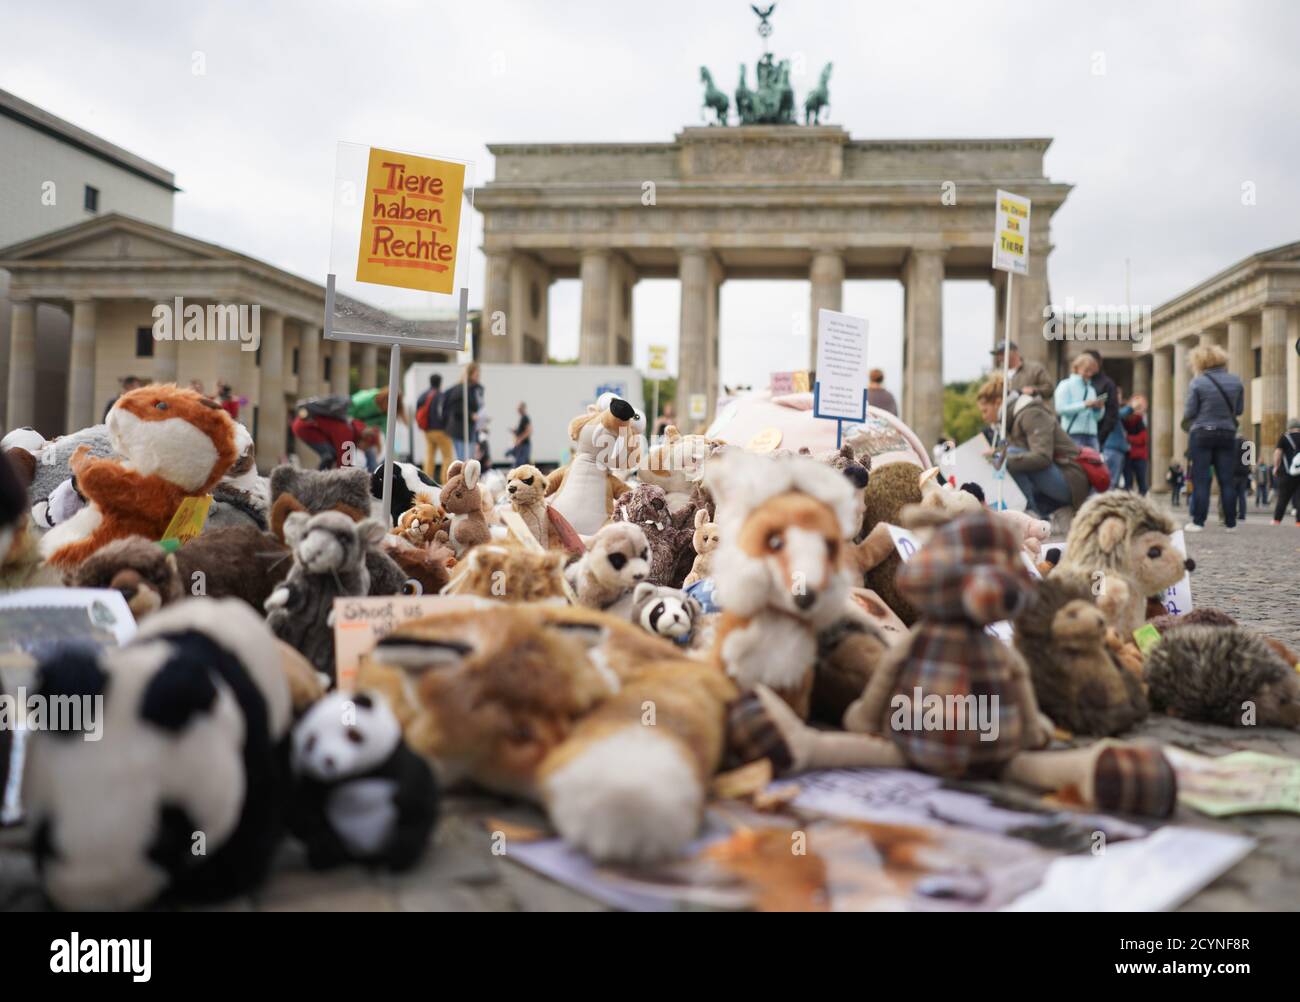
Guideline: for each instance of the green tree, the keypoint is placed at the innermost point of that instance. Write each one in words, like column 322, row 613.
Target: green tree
column 961, row 414
column 667, row 393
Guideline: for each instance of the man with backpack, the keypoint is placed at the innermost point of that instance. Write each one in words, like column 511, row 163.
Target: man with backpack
column 429, row 419
column 1286, row 464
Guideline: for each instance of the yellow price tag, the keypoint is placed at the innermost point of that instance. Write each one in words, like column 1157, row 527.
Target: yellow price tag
column 1147, row 636
column 189, row 518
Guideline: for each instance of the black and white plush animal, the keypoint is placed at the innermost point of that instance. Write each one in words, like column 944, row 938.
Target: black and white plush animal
column 667, row 612
column 361, row 794
column 410, row 486
column 329, row 562
column 174, row 784
column 617, row 561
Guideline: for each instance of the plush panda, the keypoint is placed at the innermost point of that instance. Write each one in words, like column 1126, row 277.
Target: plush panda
column 175, row 784
column 361, row 795
column 668, row 612
column 410, row 486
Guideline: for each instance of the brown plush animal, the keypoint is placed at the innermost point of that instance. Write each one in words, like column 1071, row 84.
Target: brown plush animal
column 420, row 524
column 704, row 541
column 669, row 534
column 676, row 465
column 145, row 574
column 174, row 443
column 1079, row 683
column 510, row 573
column 463, row 501
column 891, row 488
column 236, row 561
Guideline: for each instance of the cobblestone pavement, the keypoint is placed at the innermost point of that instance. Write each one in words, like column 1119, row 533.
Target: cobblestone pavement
column 1251, row 574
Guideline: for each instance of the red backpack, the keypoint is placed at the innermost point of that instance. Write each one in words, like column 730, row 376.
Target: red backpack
column 1095, row 468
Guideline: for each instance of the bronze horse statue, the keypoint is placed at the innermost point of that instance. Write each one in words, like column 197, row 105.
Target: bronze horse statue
column 713, row 98
column 818, row 99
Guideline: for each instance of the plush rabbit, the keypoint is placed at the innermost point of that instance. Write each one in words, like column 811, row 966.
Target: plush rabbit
column 463, row 501
column 705, row 542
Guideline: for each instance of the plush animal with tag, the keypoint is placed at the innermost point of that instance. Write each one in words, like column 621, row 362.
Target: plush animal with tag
column 463, row 501
column 779, row 569
column 174, row 444
column 603, row 438
column 360, row 794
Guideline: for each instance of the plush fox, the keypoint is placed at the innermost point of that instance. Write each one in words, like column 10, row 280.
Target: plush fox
column 173, row 444
column 778, row 570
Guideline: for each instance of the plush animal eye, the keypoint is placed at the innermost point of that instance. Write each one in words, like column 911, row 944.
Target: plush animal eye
column 775, row 542
column 161, row 404
column 1154, row 553
column 520, row 734
column 645, row 554
column 355, row 736
column 528, row 480
column 617, row 560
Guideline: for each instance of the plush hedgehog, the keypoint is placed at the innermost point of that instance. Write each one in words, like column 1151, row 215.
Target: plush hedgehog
column 510, row 573
column 1078, row 681
column 670, row 535
column 174, row 444
column 181, row 793
column 329, row 562
column 360, row 795
column 665, row 612
column 1222, row 675
column 145, row 574
column 619, row 560
column 892, row 487
column 411, row 486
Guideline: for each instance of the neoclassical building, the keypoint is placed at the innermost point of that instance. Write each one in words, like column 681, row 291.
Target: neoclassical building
column 1252, row 310
column 764, row 201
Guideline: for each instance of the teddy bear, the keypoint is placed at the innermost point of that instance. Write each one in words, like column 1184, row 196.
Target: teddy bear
column 670, row 535
column 463, row 501
column 1120, row 542
column 1222, row 675
column 174, row 444
column 704, row 540
column 676, row 465
column 778, row 570
column 146, row 574
column 329, row 562
column 602, row 437
column 1078, row 679
column 618, row 560
column 957, row 702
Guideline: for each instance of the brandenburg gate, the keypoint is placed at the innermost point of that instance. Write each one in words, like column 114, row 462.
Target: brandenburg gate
column 757, row 201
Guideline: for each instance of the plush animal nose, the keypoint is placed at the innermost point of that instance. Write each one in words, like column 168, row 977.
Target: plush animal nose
column 512, row 488
column 806, row 600
column 621, row 409
column 1189, row 564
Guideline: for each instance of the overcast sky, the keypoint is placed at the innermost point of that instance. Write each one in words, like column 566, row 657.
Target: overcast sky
column 1159, row 112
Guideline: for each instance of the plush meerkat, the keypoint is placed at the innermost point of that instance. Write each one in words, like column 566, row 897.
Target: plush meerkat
column 619, row 560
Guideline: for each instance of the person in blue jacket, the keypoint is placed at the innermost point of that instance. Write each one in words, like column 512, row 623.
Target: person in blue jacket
column 1077, row 405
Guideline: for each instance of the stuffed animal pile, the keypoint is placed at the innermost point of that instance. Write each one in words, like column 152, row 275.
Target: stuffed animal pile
column 612, row 636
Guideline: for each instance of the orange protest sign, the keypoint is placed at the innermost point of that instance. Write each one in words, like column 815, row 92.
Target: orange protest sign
column 410, row 222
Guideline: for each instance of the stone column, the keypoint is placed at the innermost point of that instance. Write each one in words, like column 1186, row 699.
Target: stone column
column 621, row 278
column 713, row 328
column 923, row 331
column 21, row 411
column 692, row 345
column 309, row 379
column 497, row 330
column 271, row 419
column 81, row 367
column 1142, row 377
column 827, row 277
column 593, row 340
column 368, row 372
column 1208, row 337
column 1272, row 371
column 1181, row 378
column 1241, row 360
column 1162, row 416
column 166, row 355
column 341, row 368
column 529, row 291
column 1030, row 301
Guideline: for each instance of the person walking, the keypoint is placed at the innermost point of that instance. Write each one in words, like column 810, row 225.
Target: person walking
column 453, row 411
column 438, row 451
column 877, row 395
column 1286, row 465
column 1215, row 398
column 1077, row 404
column 1134, row 422
column 1027, row 378
column 521, row 453
column 1175, row 478
column 1241, row 477
column 1263, row 478
column 1114, row 443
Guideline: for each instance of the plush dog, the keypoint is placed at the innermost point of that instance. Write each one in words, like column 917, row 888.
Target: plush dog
column 145, row 574
column 174, row 444
column 463, row 501
column 779, row 570
column 618, row 560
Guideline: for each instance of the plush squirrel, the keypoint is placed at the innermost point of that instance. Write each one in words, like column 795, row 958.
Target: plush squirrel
column 779, row 569
column 704, row 541
column 329, row 562
column 619, row 560
column 602, row 436
column 174, row 444
column 361, row 795
column 463, row 501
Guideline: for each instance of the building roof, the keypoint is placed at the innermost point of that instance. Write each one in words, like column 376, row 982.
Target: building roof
column 12, row 106
column 1286, row 255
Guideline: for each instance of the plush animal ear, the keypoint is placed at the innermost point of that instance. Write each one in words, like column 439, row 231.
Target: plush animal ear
column 419, row 653
column 643, row 591
column 590, row 635
column 371, row 533
column 701, row 518
column 1111, row 533
column 472, row 470
column 452, row 470
column 295, row 526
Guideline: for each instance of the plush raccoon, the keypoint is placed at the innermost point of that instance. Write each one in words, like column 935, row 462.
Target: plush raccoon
column 174, row 782
column 666, row 612
column 361, row 794
column 1222, row 675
